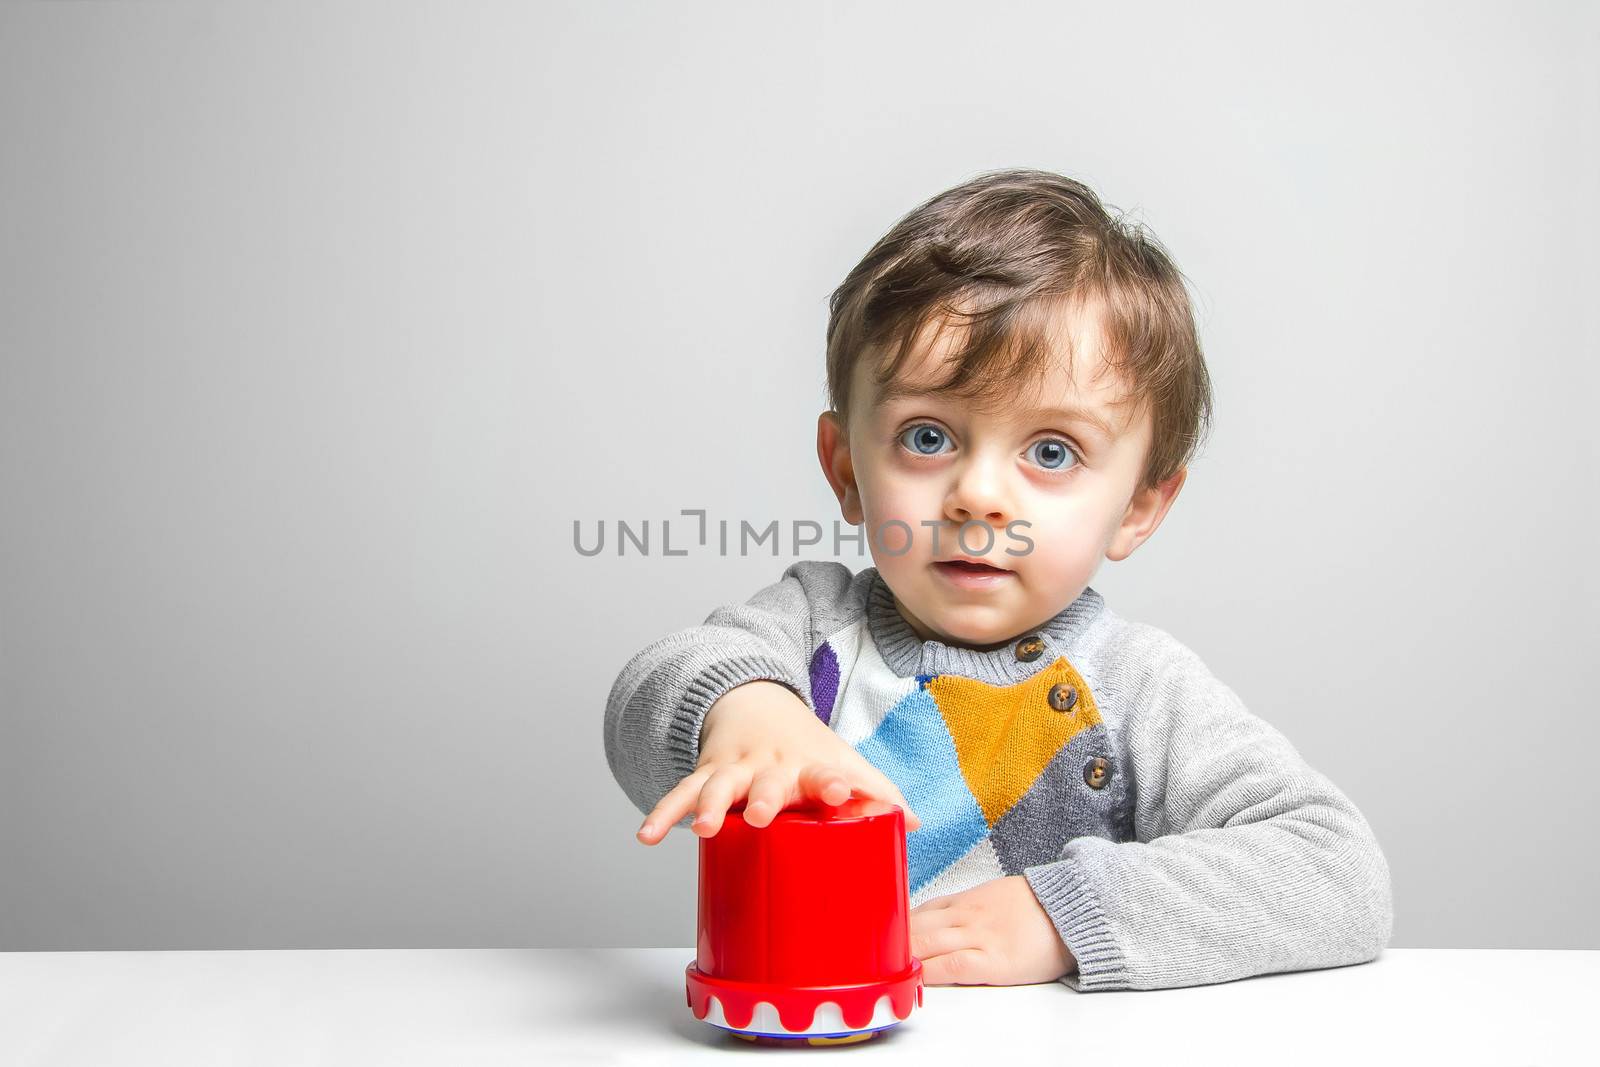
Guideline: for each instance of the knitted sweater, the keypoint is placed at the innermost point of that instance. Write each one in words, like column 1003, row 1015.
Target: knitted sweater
column 1173, row 837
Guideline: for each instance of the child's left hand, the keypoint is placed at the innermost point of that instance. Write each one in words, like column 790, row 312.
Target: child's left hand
column 993, row 934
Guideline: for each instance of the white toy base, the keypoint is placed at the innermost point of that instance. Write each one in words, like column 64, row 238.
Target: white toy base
column 828, row 1022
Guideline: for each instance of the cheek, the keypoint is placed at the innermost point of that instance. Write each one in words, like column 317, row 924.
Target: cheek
column 885, row 496
column 886, row 503
column 1066, row 538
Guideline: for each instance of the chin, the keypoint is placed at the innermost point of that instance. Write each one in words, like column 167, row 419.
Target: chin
column 975, row 627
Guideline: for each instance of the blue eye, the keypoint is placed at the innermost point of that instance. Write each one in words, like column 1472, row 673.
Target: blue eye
column 925, row 439
column 1051, row 453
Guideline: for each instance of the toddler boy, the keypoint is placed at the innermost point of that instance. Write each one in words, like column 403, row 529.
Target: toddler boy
column 1016, row 388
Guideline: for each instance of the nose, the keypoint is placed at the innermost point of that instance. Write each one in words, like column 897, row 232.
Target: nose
column 979, row 493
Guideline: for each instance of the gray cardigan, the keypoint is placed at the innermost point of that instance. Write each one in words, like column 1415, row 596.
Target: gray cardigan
column 1173, row 837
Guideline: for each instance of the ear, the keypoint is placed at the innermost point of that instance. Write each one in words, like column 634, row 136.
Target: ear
column 833, row 451
column 1145, row 512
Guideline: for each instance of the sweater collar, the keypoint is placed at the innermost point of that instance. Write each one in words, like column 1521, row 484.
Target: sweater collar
column 906, row 654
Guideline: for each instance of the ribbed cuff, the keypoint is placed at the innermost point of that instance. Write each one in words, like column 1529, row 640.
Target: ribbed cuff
column 683, row 736
column 1074, row 908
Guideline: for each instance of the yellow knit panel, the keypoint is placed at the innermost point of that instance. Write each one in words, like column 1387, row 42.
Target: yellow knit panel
column 1006, row 735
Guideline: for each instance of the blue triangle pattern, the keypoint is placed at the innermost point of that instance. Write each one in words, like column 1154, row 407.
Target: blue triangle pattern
column 914, row 749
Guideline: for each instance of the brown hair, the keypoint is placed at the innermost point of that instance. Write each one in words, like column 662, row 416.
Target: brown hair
column 999, row 255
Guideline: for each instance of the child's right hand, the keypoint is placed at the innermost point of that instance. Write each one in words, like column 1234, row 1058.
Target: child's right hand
column 759, row 740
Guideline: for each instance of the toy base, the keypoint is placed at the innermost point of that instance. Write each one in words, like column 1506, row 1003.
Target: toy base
column 794, row 1014
column 827, row 1027
column 773, row 1041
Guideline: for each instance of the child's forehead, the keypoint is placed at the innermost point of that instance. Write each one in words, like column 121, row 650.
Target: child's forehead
column 1075, row 375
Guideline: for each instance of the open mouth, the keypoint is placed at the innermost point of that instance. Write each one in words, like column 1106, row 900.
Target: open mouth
column 967, row 566
column 968, row 571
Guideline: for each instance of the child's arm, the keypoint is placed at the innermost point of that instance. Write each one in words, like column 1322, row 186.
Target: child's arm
column 708, row 715
column 1246, row 860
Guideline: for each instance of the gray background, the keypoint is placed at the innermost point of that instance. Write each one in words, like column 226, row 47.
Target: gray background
column 320, row 328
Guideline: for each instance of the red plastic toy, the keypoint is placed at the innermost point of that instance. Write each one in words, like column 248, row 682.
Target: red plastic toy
column 804, row 926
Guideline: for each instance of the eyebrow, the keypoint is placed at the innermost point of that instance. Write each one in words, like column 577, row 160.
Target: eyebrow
column 1088, row 416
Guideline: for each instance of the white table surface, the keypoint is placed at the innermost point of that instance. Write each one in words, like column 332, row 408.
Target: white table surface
column 557, row 1006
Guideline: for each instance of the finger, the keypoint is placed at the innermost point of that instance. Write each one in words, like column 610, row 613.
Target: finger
column 964, row 966
column 727, row 785
column 932, row 942
column 770, row 792
column 936, row 904
column 678, row 802
column 871, row 782
column 824, row 783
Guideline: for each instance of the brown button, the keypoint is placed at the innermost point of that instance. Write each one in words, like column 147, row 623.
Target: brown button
column 1063, row 696
column 1030, row 649
column 1097, row 772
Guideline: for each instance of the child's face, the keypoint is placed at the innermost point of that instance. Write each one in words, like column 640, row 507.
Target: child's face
column 936, row 462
